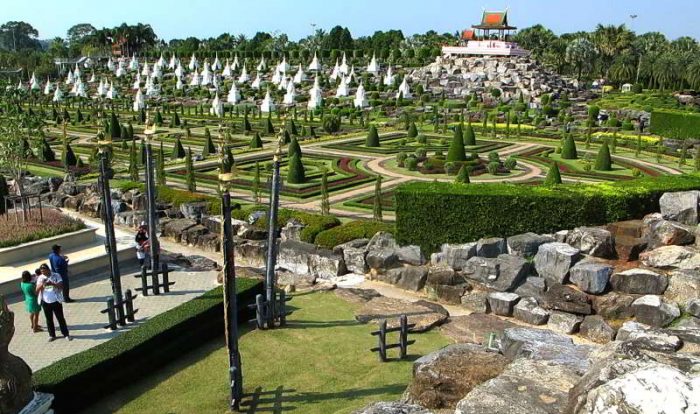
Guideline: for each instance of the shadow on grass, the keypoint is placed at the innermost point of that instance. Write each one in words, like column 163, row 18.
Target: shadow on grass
column 301, row 324
column 279, row 400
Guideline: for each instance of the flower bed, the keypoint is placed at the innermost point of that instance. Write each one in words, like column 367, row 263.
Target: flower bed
column 15, row 231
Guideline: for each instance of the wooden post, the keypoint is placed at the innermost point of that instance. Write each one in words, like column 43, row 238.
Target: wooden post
column 403, row 337
column 144, row 281
column 166, row 281
column 382, row 340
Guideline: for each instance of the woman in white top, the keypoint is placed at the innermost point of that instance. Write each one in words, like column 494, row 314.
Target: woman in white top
column 49, row 289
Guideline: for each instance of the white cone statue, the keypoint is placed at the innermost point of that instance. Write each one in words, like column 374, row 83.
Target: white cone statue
column 146, row 69
column 57, row 95
column 110, row 65
column 235, row 64
column 47, row 87
column 276, row 78
column 157, row 71
column 336, row 71
column 33, row 84
column 244, row 75
column 92, row 79
column 77, row 72
column 283, row 66
column 139, row 101
column 112, row 93
column 283, row 84
column 360, row 98
column 262, row 65
column 137, row 82
column 217, row 107
column 179, row 71
column 315, row 65
column 193, row 63
column 101, row 90
column 226, row 73
column 133, row 64
column 300, row 75
column 179, row 85
column 257, row 83
column 290, row 95
column 80, row 90
column 120, row 70
column 315, row 95
column 206, row 75
column 217, row 63
column 20, row 86
column 373, row 66
column 233, row 95
column 404, row 90
column 389, row 77
column 173, row 63
column 195, row 79
column 342, row 88
column 69, row 77
column 161, row 61
column 344, row 66
column 267, row 104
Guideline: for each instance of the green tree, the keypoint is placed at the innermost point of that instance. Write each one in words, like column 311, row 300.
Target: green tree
column 294, row 148
column 372, row 140
column 256, row 141
column 4, row 192
column 209, row 144
column 69, row 159
column 412, row 130
column 553, row 175
column 47, row 154
column 469, row 136
column 456, row 151
column 133, row 163
column 160, row 166
column 114, row 127
column 189, row 166
column 178, row 150
column 603, row 161
column 463, row 175
column 296, row 173
column 568, row 149
column 377, row 210
column 269, row 128
column 325, row 203
column 256, row 184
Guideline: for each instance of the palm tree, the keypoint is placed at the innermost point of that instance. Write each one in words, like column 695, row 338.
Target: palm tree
column 692, row 74
column 666, row 70
column 624, row 67
column 610, row 41
column 651, row 43
column 581, row 53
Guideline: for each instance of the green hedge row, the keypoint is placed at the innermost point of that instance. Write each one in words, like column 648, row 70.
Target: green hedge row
column 361, row 229
column 675, row 125
column 315, row 223
column 430, row 214
column 82, row 379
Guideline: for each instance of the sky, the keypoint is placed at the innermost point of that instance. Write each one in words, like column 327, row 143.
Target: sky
column 206, row 18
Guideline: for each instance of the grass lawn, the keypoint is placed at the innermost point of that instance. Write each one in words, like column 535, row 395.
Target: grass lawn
column 320, row 363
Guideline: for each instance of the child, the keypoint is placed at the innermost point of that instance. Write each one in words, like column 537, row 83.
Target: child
column 141, row 244
column 31, row 304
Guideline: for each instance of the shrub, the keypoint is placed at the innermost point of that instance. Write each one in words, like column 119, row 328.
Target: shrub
column 294, row 148
column 360, row 229
column 463, row 175
column 492, row 167
column 593, row 112
column 675, row 125
column 411, row 163
column 295, row 172
column 144, row 348
column 315, row 223
column 469, row 136
column 467, row 213
column 412, row 130
column 401, row 158
column 568, row 150
column 178, row 150
column 553, row 176
column 14, row 233
column 451, row 168
column 256, row 141
column 456, row 151
column 603, row 161
column 331, row 124
column 422, row 139
column 511, row 162
column 627, row 125
column 421, row 152
column 372, row 137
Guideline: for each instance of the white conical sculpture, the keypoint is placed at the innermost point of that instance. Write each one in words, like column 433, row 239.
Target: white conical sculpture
column 257, row 83
column 262, row 65
column 73, row 89
column 233, row 95
column 290, row 95
column 179, row 71
column 33, row 84
column 315, row 95
column 235, row 63
column 315, row 65
column 77, row 71
column 80, row 90
column 157, row 71
column 137, row 82
column 244, row 75
column 352, row 73
column 206, row 76
column 283, row 84
column 20, row 86
column 342, row 88
column 389, row 77
column 178, row 84
column 300, row 75
column 101, row 90
column 336, row 71
column 193, row 63
column 57, row 95
column 344, row 66
column 373, row 66
column 348, row 79
column 227, row 70
column 139, row 101
column 195, row 78
column 217, row 63
column 161, row 61
column 215, row 81
column 267, row 104
column 173, row 63
column 69, row 77
column 152, row 89
column 283, row 66
column 33, row 78
column 112, row 93
column 276, row 77
column 47, row 87
column 146, row 70
column 92, row 79
column 404, row 90
column 217, row 107
column 360, row 98
column 133, row 64
column 120, row 70
column 110, row 65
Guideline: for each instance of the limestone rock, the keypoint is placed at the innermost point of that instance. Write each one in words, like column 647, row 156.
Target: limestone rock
column 667, row 233
column 683, row 285
column 252, row 253
column 442, row 275
column 451, row 294
column 593, row 241
column 502, row 303
column 646, row 337
column 526, row 244
column 596, row 329
column 671, row 257
column 491, row 247
column 354, row 253
column 591, row 277
column 545, row 345
column 425, row 317
column 442, row 378
column 654, row 311
column 525, row 386
column 292, row 230
column 639, row 281
column 533, row 287
column 693, row 308
column 393, row 407
column 475, row 328
column 563, row 322
column 614, row 306
column 681, row 206
column 527, row 310
column 250, row 232
column 411, row 277
column 475, row 301
column 194, row 210
column 553, row 261
column 456, row 255
column 381, row 260
column 175, row 228
column 503, row 273
column 566, row 299
column 358, row 296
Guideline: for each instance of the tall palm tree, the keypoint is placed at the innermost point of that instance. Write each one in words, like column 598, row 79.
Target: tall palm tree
column 581, row 53
column 610, row 41
column 692, row 74
column 666, row 70
column 624, row 68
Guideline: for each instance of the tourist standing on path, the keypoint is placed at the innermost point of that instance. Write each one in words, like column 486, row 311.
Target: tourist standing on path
column 31, row 303
column 142, row 244
column 59, row 264
column 49, row 288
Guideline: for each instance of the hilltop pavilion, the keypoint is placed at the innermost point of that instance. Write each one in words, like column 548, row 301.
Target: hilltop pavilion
column 492, row 37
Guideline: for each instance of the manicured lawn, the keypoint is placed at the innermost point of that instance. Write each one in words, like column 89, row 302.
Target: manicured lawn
column 320, row 363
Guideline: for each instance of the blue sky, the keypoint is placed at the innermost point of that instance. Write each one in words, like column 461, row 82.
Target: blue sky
column 205, row 18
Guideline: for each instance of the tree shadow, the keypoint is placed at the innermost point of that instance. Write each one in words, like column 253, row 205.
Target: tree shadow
column 302, row 324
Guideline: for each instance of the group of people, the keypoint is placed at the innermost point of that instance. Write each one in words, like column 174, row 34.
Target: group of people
column 48, row 289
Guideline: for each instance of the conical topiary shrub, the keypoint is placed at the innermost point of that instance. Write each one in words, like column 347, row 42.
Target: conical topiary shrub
column 178, row 150
column 69, row 159
column 294, row 148
column 568, row 149
column 456, row 151
column 469, row 136
column 296, row 173
column 256, row 141
column 462, row 175
column 372, row 137
column 603, row 161
column 553, row 175
column 412, row 130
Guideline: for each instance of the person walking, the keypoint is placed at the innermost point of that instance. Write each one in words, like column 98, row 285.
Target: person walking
column 59, row 264
column 49, row 288
column 31, row 304
column 142, row 244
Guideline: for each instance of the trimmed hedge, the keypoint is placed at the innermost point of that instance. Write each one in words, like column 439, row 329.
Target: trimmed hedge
column 360, row 229
column 430, row 214
column 675, row 125
column 315, row 223
column 82, row 379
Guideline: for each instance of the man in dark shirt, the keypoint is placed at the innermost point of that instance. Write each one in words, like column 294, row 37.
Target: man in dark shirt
column 59, row 264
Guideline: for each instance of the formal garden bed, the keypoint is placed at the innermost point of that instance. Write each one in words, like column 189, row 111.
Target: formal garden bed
column 15, row 229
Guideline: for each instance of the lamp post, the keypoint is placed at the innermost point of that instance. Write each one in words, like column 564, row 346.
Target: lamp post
column 271, row 232
column 148, row 131
column 104, row 146
column 230, row 300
